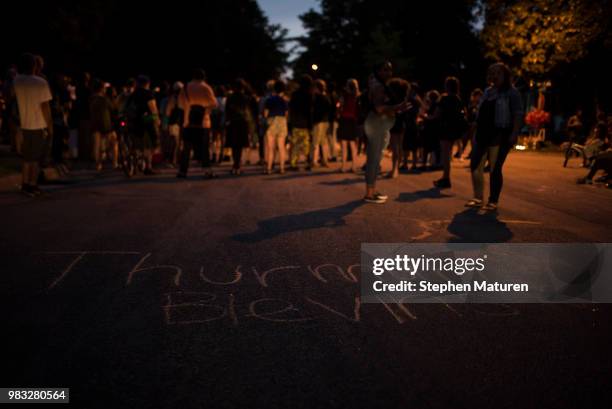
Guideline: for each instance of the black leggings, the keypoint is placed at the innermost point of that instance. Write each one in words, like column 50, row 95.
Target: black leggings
column 196, row 139
column 237, row 155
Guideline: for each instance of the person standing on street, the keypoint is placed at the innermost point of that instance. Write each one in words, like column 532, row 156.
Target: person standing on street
column 175, row 116
column 300, row 121
column 33, row 100
column 453, row 124
column 238, row 122
column 197, row 99
column 143, row 121
column 321, row 114
column 101, row 120
column 499, row 121
column 398, row 90
column 275, row 114
column 348, row 123
column 379, row 121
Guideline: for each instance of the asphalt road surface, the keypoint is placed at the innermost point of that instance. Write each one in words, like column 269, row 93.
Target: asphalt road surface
column 236, row 292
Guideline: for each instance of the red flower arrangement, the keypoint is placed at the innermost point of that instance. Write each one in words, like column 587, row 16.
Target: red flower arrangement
column 537, row 118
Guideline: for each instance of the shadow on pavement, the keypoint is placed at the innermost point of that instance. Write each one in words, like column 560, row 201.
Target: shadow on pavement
column 473, row 227
column 432, row 193
column 344, row 182
column 315, row 219
column 298, row 174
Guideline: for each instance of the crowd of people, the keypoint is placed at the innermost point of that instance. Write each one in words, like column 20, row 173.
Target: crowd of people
column 292, row 125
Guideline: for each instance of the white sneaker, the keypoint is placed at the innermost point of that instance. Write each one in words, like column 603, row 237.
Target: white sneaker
column 374, row 199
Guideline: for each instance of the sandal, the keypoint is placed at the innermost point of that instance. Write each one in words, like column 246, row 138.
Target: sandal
column 490, row 207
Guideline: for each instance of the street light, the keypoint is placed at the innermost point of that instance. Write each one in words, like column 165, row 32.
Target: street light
column 314, row 67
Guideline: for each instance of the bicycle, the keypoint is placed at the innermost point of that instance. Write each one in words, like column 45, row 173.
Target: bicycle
column 131, row 160
column 575, row 150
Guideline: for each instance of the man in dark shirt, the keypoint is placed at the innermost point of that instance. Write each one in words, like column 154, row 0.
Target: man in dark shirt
column 143, row 120
column 321, row 111
column 300, row 120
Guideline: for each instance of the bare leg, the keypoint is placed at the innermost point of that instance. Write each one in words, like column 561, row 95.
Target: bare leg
column 325, row 157
column 344, row 147
column 354, row 154
column 112, row 138
column 282, row 154
column 97, row 150
column 445, row 153
column 270, row 140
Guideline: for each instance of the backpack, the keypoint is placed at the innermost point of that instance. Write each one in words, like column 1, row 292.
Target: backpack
column 196, row 114
column 133, row 115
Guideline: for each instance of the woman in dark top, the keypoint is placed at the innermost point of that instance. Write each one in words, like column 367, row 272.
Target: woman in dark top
column 275, row 113
column 498, row 123
column 237, row 122
column 451, row 114
column 412, row 138
column 431, row 137
column 348, row 127
column 398, row 91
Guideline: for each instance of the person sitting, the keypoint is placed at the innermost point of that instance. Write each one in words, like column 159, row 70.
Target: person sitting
column 597, row 143
column 603, row 161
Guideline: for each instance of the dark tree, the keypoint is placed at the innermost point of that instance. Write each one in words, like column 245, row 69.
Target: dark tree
column 426, row 40
column 115, row 39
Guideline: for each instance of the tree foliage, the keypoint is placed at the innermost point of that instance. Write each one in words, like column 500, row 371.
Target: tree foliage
column 537, row 36
column 425, row 40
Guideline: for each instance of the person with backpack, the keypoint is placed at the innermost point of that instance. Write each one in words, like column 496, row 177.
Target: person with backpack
column 379, row 121
column 143, row 121
column 498, row 123
column 196, row 100
column 453, row 124
column 175, row 116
